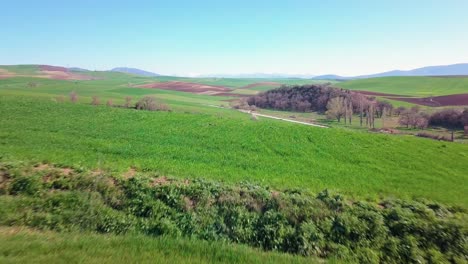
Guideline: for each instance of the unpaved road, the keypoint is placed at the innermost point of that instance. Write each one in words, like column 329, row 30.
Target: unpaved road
column 272, row 117
column 280, row 118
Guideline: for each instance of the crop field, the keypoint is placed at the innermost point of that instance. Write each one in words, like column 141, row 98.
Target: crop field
column 205, row 148
column 226, row 145
column 410, row 86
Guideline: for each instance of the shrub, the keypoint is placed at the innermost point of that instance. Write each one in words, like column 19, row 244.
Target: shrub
column 432, row 136
column 128, row 101
column 326, row 225
column 60, row 99
column 25, row 185
column 150, row 103
column 95, row 101
column 73, row 97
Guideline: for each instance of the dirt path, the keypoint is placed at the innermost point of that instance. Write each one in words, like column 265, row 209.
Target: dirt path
column 272, row 117
column 283, row 119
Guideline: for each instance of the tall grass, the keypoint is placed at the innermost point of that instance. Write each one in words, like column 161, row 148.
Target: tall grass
column 26, row 246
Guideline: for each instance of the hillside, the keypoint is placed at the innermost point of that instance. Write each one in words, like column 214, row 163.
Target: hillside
column 442, row 70
column 135, row 71
column 411, row 86
column 225, row 144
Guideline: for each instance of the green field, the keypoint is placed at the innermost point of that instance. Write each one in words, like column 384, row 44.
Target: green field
column 198, row 141
column 23, row 245
column 226, row 145
column 411, row 86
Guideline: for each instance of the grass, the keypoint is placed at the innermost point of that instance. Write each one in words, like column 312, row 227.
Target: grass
column 226, row 145
column 24, row 245
column 411, row 86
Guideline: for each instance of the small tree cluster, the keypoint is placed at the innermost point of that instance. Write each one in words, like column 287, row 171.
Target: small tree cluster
column 414, row 119
column 298, row 98
column 451, row 119
column 150, row 103
column 128, row 101
column 73, row 97
column 95, row 101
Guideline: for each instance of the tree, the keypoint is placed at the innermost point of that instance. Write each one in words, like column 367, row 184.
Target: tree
column 405, row 118
column 147, row 103
column 464, row 117
column 128, row 101
column 95, row 101
column 350, row 111
column 110, row 103
column 73, row 97
column 400, row 110
column 381, row 105
column 450, row 118
column 336, row 108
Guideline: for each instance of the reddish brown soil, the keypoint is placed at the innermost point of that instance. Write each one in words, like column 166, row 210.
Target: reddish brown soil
column 52, row 68
column 273, row 84
column 187, row 87
column 446, row 100
column 61, row 73
column 49, row 72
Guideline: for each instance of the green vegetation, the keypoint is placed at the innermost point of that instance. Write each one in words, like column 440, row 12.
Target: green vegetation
column 325, row 225
column 411, row 86
column 21, row 69
column 180, row 183
column 226, row 145
column 24, row 245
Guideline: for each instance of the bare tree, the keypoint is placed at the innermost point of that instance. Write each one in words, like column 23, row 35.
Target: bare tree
column 110, row 103
column 73, row 97
column 128, row 101
column 336, row 108
column 151, row 104
column 60, row 99
column 95, row 101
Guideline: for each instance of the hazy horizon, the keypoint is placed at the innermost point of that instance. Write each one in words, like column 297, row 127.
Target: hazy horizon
column 208, row 37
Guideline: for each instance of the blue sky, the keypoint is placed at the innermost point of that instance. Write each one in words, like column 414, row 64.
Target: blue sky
column 204, row 37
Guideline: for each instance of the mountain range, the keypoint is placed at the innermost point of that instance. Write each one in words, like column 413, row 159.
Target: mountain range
column 135, row 71
column 442, row 70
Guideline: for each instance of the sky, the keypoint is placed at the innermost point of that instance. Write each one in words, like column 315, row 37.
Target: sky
column 348, row 37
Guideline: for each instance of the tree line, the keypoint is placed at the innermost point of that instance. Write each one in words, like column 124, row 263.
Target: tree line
column 343, row 105
column 149, row 103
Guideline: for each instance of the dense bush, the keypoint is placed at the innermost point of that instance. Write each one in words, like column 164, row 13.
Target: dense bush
column 325, row 225
column 450, row 118
column 298, row 98
column 150, row 103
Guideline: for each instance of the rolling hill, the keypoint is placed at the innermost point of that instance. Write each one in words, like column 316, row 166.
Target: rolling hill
column 135, row 71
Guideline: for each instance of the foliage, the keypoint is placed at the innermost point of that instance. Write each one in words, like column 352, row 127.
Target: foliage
column 150, row 103
column 226, row 145
column 326, row 225
column 297, row 98
column 449, row 118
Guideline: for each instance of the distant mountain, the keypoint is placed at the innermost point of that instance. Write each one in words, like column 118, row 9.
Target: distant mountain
column 454, row 69
column 330, row 77
column 78, row 69
column 259, row 76
column 135, row 71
